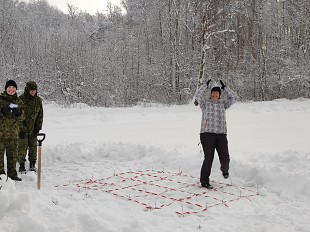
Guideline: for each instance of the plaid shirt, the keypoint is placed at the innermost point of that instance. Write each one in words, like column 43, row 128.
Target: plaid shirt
column 213, row 112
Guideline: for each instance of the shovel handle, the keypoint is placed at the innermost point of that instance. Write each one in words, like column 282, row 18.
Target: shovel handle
column 40, row 138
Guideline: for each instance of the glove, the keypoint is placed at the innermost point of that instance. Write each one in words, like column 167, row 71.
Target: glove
column 22, row 134
column 196, row 102
column 16, row 111
column 35, row 132
column 208, row 82
column 5, row 110
column 222, row 83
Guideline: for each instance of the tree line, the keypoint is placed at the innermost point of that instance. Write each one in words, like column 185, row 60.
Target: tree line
column 157, row 51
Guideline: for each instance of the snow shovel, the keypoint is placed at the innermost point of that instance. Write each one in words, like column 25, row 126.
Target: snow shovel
column 40, row 138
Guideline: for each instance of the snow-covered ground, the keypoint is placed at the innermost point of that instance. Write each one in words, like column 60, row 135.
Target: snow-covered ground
column 144, row 163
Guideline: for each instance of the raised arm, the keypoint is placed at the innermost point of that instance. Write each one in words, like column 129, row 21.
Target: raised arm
column 232, row 97
column 201, row 93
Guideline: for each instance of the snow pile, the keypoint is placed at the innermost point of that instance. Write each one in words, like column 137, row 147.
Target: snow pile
column 269, row 151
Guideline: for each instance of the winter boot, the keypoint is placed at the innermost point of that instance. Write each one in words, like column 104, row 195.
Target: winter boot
column 22, row 168
column 225, row 175
column 32, row 166
column 206, row 185
column 16, row 178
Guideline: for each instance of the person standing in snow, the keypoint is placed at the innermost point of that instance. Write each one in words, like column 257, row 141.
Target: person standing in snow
column 30, row 127
column 213, row 132
column 10, row 115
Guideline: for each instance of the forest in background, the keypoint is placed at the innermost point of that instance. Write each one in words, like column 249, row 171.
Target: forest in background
column 157, row 51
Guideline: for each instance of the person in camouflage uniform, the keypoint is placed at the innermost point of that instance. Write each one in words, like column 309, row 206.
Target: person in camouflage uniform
column 30, row 127
column 10, row 115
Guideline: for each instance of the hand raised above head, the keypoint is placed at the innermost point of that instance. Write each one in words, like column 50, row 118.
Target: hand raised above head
column 222, row 84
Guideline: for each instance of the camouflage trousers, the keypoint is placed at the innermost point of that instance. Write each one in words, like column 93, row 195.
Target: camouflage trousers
column 10, row 146
column 28, row 144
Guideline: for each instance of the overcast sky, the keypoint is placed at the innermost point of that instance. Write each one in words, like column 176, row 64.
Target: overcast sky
column 91, row 6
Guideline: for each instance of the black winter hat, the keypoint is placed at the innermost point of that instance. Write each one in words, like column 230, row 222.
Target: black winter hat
column 10, row 83
column 216, row 88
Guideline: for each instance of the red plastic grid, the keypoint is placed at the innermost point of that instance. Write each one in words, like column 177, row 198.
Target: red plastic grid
column 159, row 189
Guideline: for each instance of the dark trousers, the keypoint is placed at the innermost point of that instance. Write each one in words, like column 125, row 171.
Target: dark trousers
column 210, row 142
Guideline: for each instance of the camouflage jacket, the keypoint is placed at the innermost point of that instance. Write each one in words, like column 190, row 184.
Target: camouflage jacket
column 9, row 123
column 33, row 113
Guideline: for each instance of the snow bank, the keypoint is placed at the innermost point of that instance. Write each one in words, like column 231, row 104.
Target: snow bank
column 269, row 151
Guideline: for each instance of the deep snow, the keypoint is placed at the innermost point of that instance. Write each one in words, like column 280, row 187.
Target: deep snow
column 270, row 156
